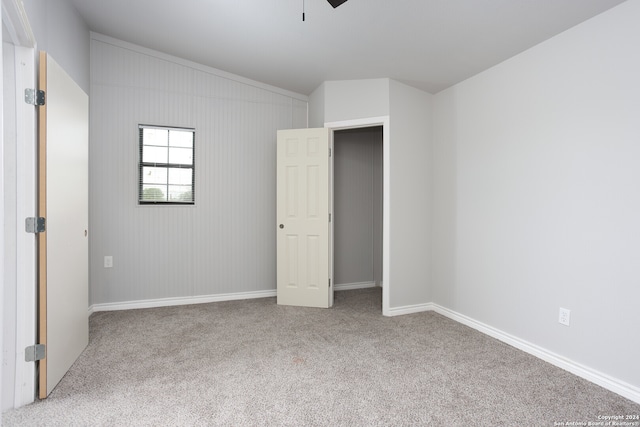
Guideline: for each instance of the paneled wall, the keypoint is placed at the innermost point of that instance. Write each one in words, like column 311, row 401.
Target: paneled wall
column 223, row 244
column 358, row 206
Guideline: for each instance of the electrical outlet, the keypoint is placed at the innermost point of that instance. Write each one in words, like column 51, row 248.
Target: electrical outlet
column 108, row 261
column 565, row 316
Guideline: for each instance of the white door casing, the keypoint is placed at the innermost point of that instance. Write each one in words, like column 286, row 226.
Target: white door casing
column 21, row 286
column 303, row 208
column 386, row 197
column 24, row 253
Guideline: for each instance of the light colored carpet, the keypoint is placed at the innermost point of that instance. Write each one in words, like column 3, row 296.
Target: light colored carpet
column 255, row 363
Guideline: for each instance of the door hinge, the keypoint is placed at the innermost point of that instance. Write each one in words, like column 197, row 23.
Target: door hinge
column 34, row 97
column 35, row 352
column 329, row 217
column 329, row 151
column 35, row 225
column 329, row 282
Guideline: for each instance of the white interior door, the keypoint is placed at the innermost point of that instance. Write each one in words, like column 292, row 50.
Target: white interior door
column 63, row 201
column 303, row 266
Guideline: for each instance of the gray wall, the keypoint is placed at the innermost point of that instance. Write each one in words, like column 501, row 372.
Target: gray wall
column 226, row 242
column 357, row 206
column 351, row 99
column 410, row 132
column 536, row 200
column 411, row 174
column 60, row 31
column 316, row 107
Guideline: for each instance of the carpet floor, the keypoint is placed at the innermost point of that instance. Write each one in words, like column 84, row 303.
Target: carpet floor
column 256, row 363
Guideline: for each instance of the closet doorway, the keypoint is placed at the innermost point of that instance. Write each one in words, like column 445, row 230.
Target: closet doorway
column 363, row 241
column 358, row 199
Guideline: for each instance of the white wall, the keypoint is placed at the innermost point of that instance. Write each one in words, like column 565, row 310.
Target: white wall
column 357, row 209
column 536, row 195
column 3, row 333
column 355, row 99
column 409, row 112
column 8, row 231
column 225, row 244
column 316, row 107
column 60, row 31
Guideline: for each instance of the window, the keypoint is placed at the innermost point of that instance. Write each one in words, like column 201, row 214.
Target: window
column 167, row 167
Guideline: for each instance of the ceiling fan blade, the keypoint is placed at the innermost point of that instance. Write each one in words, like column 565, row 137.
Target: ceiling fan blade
column 336, row 3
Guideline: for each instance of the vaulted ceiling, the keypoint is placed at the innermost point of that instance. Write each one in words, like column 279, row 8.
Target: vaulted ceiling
column 428, row 44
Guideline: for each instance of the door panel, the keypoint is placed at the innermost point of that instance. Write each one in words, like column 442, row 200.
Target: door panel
column 63, row 201
column 303, row 218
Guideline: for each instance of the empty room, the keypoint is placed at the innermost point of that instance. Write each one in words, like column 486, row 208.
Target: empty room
column 320, row 212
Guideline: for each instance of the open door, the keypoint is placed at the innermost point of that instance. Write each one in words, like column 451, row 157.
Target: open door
column 303, row 215
column 63, row 201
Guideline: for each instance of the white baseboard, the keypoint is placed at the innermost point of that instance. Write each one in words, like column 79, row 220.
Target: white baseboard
column 168, row 302
column 409, row 309
column 352, row 286
column 612, row 384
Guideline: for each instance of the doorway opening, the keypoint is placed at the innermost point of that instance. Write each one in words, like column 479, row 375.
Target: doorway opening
column 357, row 208
column 360, row 204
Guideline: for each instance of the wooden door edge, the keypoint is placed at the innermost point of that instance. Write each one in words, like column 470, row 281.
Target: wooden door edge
column 42, row 237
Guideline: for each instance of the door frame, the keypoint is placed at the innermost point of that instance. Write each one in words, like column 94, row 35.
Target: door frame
column 386, row 196
column 21, row 36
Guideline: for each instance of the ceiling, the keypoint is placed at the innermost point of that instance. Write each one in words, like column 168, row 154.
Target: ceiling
column 428, row 44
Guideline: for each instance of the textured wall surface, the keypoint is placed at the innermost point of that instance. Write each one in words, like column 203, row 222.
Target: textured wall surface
column 225, row 243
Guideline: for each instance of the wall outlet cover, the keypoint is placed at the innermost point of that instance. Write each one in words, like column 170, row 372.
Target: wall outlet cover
column 564, row 316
